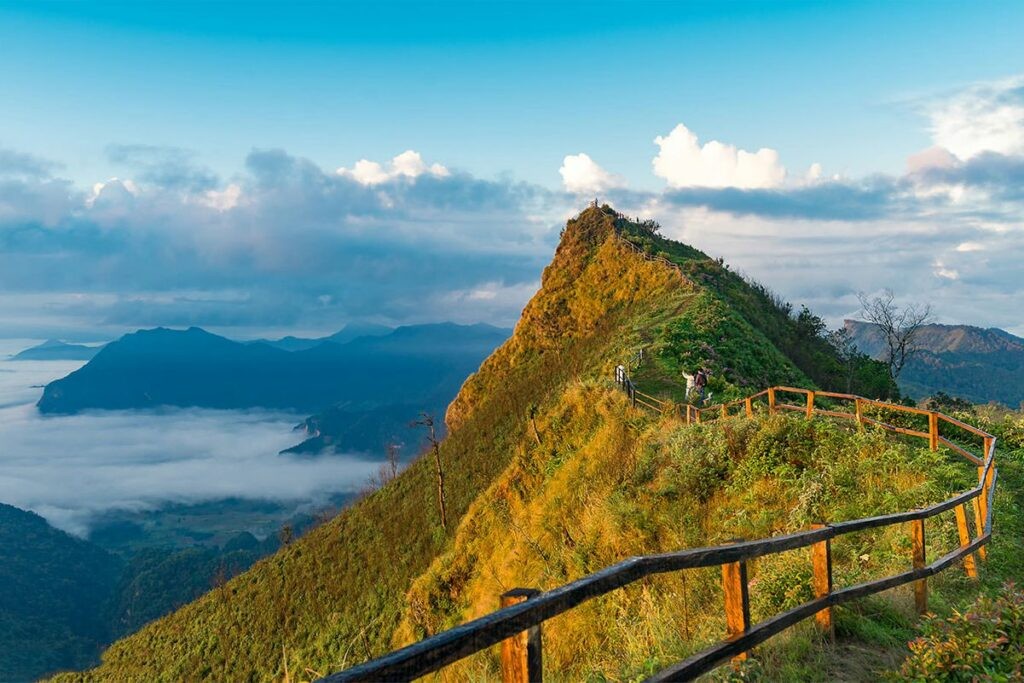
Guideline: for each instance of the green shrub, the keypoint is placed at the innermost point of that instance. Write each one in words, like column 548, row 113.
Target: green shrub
column 985, row 643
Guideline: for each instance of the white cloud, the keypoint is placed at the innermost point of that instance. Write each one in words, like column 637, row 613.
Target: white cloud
column 408, row 164
column 684, row 162
column 986, row 117
column 582, row 175
column 970, row 246
column 114, row 191
column 933, row 157
column 494, row 299
column 222, row 200
column 942, row 270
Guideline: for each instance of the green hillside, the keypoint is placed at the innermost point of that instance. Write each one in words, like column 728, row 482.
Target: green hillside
column 980, row 365
column 54, row 590
column 551, row 475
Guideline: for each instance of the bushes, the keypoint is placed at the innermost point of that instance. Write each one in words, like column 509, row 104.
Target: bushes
column 984, row 643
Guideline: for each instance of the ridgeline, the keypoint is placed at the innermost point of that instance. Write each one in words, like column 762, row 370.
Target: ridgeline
column 550, row 474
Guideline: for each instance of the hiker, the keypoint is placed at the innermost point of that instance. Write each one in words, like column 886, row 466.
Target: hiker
column 700, row 381
column 620, row 374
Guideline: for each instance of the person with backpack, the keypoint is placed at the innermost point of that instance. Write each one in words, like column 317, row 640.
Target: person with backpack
column 700, row 382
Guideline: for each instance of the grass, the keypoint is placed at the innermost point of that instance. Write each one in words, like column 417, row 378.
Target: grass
column 610, row 482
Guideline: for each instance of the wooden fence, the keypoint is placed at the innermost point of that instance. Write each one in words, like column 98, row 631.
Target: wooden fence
column 517, row 624
column 656, row 258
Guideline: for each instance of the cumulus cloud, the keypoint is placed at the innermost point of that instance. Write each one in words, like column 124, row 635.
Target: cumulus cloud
column 222, row 200
column 582, row 175
column 985, row 117
column 285, row 242
column 684, row 162
column 408, row 164
column 112, row 193
column 73, row 469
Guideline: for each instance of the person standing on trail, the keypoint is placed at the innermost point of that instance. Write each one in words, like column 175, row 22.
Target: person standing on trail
column 700, row 381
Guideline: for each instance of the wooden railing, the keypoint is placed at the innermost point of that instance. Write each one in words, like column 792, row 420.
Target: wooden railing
column 639, row 398
column 518, row 623
column 656, row 258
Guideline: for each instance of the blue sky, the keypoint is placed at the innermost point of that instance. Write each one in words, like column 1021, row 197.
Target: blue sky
column 489, row 87
column 220, row 119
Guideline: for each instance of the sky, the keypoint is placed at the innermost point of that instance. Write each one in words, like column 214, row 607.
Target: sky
column 274, row 168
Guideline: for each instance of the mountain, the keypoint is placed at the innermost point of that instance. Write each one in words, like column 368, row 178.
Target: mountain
column 550, row 474
column 54, row 349
column 389, row 378
column 975, row 363
column 346, row 334
column 63, row 599
column 52, row 590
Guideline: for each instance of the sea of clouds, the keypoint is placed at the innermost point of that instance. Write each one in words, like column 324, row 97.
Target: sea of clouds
column 72, row 469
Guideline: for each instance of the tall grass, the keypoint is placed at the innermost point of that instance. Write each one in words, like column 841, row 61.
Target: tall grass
column 609, row 482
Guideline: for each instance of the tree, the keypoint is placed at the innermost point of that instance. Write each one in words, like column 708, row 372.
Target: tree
column 846, row 351
column 898, row 326
column 389, row 470
column 427, row 420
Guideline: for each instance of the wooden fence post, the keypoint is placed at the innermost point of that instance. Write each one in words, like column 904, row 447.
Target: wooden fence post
column 810, row 404
column 737, row 602
column 771, row 400
column 749, row 405
column 521, row 657
column 821, row 555
column 860, row 413
column 725, row 411
column 933, row 430
column 979, row 523
column 917, row 548
column 965, row 539
column 981, row 509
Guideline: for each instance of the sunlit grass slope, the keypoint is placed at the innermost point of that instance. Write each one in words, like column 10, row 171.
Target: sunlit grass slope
column 604, row 483
column 341, row 593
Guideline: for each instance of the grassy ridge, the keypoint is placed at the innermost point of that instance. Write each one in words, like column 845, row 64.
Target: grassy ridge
column 341, row 593
column 335, row 596
column 605, row 482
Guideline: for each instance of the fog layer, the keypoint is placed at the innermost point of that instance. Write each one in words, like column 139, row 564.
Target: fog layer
column 70, row 469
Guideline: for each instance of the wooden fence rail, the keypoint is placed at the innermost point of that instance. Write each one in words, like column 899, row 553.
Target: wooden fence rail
column 518, row 623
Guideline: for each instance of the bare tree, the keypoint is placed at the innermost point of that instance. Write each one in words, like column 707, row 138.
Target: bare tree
column 898, row 326
column 393, row 449
column 427, row 420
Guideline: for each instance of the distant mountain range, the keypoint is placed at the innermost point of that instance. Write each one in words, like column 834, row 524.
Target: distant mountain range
column 54, row 349
column 347, row 334
column 366, row 388
column 975, row 363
